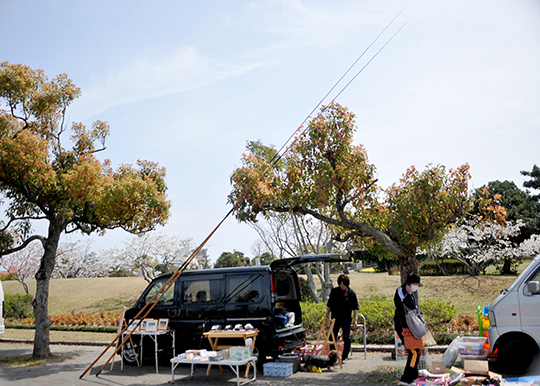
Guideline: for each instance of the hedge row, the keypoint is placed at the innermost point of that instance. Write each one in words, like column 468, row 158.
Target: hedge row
column 379, row 319
column 18, row 306
column 451, row 266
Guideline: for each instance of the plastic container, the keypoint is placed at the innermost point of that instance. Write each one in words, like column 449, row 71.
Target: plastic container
column 471, row 346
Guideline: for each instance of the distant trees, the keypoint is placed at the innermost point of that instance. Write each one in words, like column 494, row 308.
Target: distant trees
column 149, row 255
column 232, row 259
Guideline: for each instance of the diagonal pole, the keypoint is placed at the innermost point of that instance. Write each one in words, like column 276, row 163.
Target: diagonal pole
column 151, row 304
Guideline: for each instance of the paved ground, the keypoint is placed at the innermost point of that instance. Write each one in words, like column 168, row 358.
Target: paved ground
column 378, row 369
column 67, row 371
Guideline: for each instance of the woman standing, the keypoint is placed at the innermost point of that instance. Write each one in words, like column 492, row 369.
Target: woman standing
column 341, row 303
column 406, row 296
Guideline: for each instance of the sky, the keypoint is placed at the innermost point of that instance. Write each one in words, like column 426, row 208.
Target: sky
column 187, row 83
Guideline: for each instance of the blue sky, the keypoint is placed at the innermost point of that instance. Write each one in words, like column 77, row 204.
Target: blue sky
column 187, row 83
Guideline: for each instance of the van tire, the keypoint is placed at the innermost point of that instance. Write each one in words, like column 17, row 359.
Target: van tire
column 130, row 354
column 515, row 356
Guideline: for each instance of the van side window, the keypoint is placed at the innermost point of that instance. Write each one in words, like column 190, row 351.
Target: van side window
column 201, row 291
column 245, row 288
column 167, row 299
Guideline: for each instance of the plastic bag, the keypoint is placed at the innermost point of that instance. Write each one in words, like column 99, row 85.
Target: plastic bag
column 451, row 353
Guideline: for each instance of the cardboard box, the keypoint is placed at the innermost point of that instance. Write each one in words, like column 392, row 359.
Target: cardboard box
column 277, row 369
column 477, row 367
column 438, row 367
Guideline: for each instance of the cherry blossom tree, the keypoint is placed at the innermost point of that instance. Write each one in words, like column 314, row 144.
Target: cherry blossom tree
column 151, row 255
column 479, row 244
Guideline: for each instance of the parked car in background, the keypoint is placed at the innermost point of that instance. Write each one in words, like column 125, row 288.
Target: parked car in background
column 267, row 297
column 514, row 321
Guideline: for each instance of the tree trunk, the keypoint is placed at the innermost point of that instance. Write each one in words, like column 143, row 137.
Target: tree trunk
column 311, row 283
column 41, row 301
column 409, row 265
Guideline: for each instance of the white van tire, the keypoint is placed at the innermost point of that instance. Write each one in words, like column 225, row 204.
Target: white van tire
column 515, row 356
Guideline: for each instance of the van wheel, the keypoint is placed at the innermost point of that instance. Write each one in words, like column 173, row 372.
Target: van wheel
column 515, row 356
column 130, row 354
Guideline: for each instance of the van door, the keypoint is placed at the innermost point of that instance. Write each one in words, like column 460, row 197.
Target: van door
column 200, row 306
column 529, row 304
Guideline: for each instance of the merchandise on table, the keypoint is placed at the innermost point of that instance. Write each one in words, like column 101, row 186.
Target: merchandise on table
column 238, row 353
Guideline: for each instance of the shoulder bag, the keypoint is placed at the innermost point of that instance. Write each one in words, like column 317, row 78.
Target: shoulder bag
column 416, row 324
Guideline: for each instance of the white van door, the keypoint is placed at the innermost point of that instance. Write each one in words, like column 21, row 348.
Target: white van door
column 529, row 304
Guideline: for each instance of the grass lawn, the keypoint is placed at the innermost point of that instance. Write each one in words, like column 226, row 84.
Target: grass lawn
column 86, row 295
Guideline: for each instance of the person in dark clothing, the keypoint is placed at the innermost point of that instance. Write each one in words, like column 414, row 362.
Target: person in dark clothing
column 342, row 302
column 405, row 294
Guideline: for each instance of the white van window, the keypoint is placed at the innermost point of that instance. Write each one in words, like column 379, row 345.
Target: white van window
column 167, row 299
column 245, row 288
column 201, row 291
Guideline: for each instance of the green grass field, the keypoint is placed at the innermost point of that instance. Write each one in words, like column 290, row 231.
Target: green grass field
column 111, row 294
column 86, row 295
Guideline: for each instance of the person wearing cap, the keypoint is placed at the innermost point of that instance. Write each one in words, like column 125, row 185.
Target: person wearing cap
column 342, row 302
column 406, row 294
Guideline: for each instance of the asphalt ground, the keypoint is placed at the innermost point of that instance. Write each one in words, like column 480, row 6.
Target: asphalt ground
column 377, row 369
column 74, row 360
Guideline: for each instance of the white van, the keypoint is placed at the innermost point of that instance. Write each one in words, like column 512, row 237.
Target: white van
column 1, row 309
column 514, row 321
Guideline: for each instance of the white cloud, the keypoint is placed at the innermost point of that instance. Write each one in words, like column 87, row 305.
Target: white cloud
column 145, row 79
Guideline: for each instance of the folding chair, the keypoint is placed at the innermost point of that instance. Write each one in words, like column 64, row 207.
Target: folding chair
column 326, row 337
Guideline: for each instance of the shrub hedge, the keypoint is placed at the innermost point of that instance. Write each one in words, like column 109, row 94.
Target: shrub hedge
column 379, row 319
column 18, row 306
column 452, row 267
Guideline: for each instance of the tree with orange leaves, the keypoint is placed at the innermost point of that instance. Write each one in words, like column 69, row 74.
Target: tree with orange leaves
column 323, row 174
column 41, row 180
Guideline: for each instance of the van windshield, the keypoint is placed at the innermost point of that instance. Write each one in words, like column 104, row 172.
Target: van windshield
column 156, row 286
column 533, row 265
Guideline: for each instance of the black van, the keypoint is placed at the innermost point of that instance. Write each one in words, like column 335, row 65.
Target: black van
column 201, row 299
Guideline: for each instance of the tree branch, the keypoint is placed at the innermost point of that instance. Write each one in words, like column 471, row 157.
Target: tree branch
column 24, row 245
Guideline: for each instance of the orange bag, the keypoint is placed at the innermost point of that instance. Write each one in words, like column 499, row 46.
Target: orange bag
column 411, row 343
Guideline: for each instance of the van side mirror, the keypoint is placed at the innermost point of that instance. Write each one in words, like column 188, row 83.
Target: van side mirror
column 533, row 287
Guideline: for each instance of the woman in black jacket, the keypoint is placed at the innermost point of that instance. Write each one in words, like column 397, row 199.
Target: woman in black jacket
column 405, row 295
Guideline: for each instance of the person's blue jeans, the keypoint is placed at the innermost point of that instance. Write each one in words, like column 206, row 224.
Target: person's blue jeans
column 345, row 326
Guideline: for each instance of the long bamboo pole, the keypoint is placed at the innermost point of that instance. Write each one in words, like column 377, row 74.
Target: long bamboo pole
column 151, row 304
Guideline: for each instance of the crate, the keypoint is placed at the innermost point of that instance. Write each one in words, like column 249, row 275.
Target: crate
column 278, row 369
column 291, row 358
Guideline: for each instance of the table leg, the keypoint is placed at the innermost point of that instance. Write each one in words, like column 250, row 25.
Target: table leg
column 156, row 352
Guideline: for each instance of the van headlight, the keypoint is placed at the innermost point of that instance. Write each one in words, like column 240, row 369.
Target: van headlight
column 491, row 317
